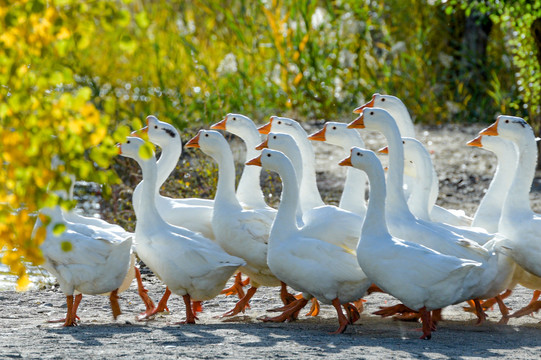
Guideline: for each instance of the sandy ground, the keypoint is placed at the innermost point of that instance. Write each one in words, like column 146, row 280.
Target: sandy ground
column 463, row 174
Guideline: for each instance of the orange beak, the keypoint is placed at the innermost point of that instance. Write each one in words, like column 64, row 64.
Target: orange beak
column 119, row 146
column 318, row 136
column 346, row 162
column 263, row 145
column 384, row 150
column 219, row 125
column 368, row 104
column 255, row 161
column 476, row 142
column 492, row 130
column 265, row 129
column 194, row 142
column 357, row 123
column 139, row 132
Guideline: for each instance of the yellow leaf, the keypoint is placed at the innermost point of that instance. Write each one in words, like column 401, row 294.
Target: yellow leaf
column 23, row 282
column 297, row 79
column 146, row 151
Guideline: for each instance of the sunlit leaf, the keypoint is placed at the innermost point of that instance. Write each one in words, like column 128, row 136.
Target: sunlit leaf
column 59, row 228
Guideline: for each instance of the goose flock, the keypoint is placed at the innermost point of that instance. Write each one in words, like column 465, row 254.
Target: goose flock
column 398, row 242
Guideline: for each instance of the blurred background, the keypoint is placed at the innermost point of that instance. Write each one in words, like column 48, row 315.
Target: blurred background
column 77, row 76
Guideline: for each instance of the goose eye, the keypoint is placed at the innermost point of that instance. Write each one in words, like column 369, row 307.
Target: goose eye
column 234, row 118
column 127, row 142
column 274, row 137
column 268, row 155
column 507, row 121
column 207, row 135
column 371, row 113
column 403, row 142
column 382, row 100
column 334, row 127
column 358, row 154
column 279, row 122
column 155, row 126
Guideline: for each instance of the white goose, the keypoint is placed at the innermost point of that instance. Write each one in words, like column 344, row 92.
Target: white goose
column 400, row 113
column 325, row 222
column 353, row 195
column 85, row 260
column 191, row 213
column 490, row 208
column 295, row 257
column 421, row 278
column 418, row 161
column 240, row 232
column 249, row 189
column 191, row 265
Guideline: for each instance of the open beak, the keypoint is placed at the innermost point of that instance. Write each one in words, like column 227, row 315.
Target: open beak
column 357, row 123
column 384, row 150
column 492, row 130
column 219, row 125
column 140, row 132
column 263, row 145
column 265, row 129
column 476, row 142
column 255, row 161
column 194, row 142
column 318, row 136
column 368, row 104
column 346, row 162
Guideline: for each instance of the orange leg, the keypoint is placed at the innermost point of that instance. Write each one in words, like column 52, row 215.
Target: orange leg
column 197, row 306
column 393, row 310
column 427, row 324
column 353, row 313
column 190, row 317
column 342, row 320
column 528, row 309
column 149, row 304
column 74, row 311
column 70, row 318
column 115, row 306
column 481, row 315
column 471, row 307
column 503, row 309
column 359, row 304
column 314, row 309
column 285, row 296
column 290, row 313
column 242, row 303
column 246, row 282
column 236, row 288
column 374, row 288
column 436, row 318
column 162, row 306
column 536, row 295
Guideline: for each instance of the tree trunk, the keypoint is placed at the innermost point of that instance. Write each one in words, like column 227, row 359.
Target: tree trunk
column 536, row 121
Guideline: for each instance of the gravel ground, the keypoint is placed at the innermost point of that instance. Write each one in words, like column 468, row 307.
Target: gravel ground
column 463, row 173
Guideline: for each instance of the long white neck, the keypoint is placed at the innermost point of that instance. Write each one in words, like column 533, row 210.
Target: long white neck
column 396, row 203
column 225, row 192
column 403, row 119
column 168, row 160
column 165, row 166
column 517, row 203
column 285, row 221
column 489, row 211
column 309, row 193
column 374, row 222
column 146, row 212
column 249, row 188
column 419, row 201
column 353, row 195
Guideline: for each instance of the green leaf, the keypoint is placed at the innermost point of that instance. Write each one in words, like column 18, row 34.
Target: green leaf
column 66, row 246
column 146, row 151
column 59, row 228
column 142, row 20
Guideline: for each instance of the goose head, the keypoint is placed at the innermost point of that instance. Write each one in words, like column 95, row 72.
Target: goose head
column 211, row 142
column 373, row 119
column 338, row 134
column 131, row 148
column 412, row 153
column 282, row 125
column 509, row 127
column 270, row 159
column 362, row 159
column 286, row 144
column 160, row 132
column 494, row 144
column 236, row 124
column 387, row 102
